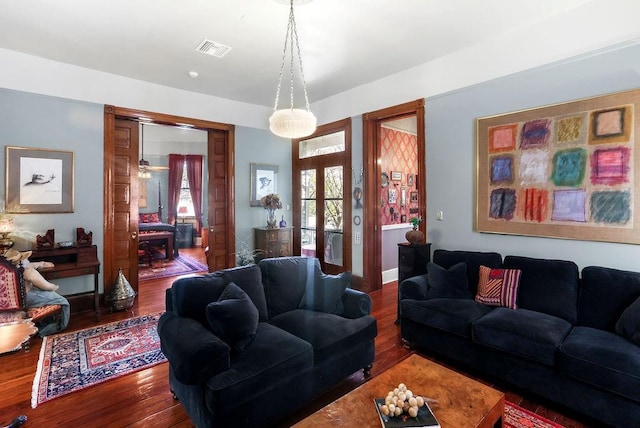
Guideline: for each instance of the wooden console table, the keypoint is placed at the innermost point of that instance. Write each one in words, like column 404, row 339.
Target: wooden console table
column 273, row 242
column 71, row 262
column 166, row 238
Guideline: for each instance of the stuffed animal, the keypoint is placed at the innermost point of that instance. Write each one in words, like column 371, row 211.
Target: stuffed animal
column 31, row 275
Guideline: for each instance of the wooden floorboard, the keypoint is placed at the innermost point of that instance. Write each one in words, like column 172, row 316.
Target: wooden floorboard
column 143, row 399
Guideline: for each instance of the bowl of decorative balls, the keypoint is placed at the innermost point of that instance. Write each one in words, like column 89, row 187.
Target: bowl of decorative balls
column 402, row 408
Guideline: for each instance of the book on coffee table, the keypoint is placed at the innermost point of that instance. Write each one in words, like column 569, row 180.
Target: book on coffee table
column 425, row 418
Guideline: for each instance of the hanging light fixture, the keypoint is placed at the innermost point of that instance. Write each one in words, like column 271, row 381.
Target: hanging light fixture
column 292, row 122
column 143, row 165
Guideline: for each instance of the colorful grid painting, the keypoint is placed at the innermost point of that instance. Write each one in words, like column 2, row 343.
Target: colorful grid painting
column 563, row 171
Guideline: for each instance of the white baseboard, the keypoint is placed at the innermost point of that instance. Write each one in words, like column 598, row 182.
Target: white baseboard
column 389, row 275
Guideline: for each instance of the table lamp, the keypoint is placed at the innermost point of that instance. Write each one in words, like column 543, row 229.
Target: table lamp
column 182, row 212
column 6, row 227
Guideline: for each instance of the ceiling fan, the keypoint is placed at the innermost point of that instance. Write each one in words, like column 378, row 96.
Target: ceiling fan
column 144, row 168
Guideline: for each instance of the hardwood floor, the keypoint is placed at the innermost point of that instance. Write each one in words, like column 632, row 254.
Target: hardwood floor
column 143, row 399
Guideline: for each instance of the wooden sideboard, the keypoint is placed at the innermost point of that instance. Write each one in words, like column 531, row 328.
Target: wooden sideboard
column 273, row 242
column 71, row 262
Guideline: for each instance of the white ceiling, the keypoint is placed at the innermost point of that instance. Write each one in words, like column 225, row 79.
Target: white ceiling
column 344, row 43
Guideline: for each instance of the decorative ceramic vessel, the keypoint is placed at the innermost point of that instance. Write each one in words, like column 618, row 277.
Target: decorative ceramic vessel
column 415, row 237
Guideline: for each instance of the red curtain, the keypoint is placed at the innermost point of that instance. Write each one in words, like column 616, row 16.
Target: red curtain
column 176, row 166
column 194, row 175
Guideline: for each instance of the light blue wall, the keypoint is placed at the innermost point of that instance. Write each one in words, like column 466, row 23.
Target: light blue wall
column 450, row 145
column 28, row 120
column 259, row 146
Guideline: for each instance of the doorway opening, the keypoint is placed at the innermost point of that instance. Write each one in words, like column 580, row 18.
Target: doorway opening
column 121, row 190
column 385, row 181
column 170, row 238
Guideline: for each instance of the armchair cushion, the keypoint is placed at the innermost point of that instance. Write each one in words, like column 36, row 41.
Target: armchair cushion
column 324, row 294
column 194, row 353
column 628, row 324
column 233, row 318
column 448, row 283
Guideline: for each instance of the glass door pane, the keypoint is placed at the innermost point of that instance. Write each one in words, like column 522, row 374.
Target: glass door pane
column 333, row 214
column 309, row 212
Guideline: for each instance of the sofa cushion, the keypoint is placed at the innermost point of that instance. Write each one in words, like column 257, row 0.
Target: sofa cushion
column 547, row 286
column 285, row 281
column 628, row 324
column 603, row 359
column 604, row 294
column 448, row 283
column 451, row 315
column 190, row 296
column 270, row 359
column 473, row 260
column 194, row 353
column 532, row 335
column 329, row 334
column 324, row 294
column 498, row 287
column 249, row 278
column 233, row 317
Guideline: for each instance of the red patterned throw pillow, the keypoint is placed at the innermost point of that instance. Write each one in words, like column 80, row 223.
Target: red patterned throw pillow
column 149, row 218
column 498, row 287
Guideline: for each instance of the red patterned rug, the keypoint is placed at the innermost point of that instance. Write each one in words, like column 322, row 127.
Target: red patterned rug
column 517, row 417
column 73, row 361
column 181, row 265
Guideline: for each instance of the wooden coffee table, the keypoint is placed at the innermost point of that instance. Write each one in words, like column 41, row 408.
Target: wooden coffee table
column 462, row 402
column 15, row 334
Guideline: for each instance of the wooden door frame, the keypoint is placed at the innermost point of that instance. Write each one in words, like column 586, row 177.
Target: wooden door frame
column 371, row 151
column 111, row 113
column 323, row 160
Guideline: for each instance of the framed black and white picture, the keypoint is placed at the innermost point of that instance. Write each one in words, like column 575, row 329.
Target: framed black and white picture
column 38, row 180
column 264, row 180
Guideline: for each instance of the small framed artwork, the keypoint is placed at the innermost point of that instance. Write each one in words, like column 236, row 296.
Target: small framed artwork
column 38, row 180
column 403, row 218
column 403, row 197
column 396, row 175
column 264, row 180
column 393, row 196
column 413, row 197
column 142, row 193
column 410, row 180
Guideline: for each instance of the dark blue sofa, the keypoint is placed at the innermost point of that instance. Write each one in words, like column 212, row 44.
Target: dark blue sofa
column 573, row 339
column 247, row 346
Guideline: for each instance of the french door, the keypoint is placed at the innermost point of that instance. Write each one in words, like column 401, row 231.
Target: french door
column 322, row 202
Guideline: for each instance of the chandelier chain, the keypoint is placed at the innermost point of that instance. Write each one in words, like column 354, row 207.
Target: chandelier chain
column 291, row 38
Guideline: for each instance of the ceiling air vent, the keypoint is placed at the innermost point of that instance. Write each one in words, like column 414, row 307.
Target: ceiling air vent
column 212, row 48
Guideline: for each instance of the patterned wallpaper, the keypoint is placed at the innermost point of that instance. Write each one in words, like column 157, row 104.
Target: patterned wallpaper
column 399, row 154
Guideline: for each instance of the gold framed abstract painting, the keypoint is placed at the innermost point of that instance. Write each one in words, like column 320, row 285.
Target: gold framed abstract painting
column 563, row 171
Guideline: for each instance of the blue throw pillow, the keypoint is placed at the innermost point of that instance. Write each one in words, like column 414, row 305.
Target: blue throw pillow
column 628, row 324
column 233, row 318
column 448, row 283
column 325, row 294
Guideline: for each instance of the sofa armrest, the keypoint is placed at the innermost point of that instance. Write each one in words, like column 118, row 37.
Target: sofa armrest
column 194, row 353
column 356, row 303
column 414, row 288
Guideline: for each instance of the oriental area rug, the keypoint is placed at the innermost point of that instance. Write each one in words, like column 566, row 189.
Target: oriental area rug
column 517, row 417
column 73, row 361
column 180, row 265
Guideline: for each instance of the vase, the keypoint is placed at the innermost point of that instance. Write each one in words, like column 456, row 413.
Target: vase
column 415, row 237
column 272, row 222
